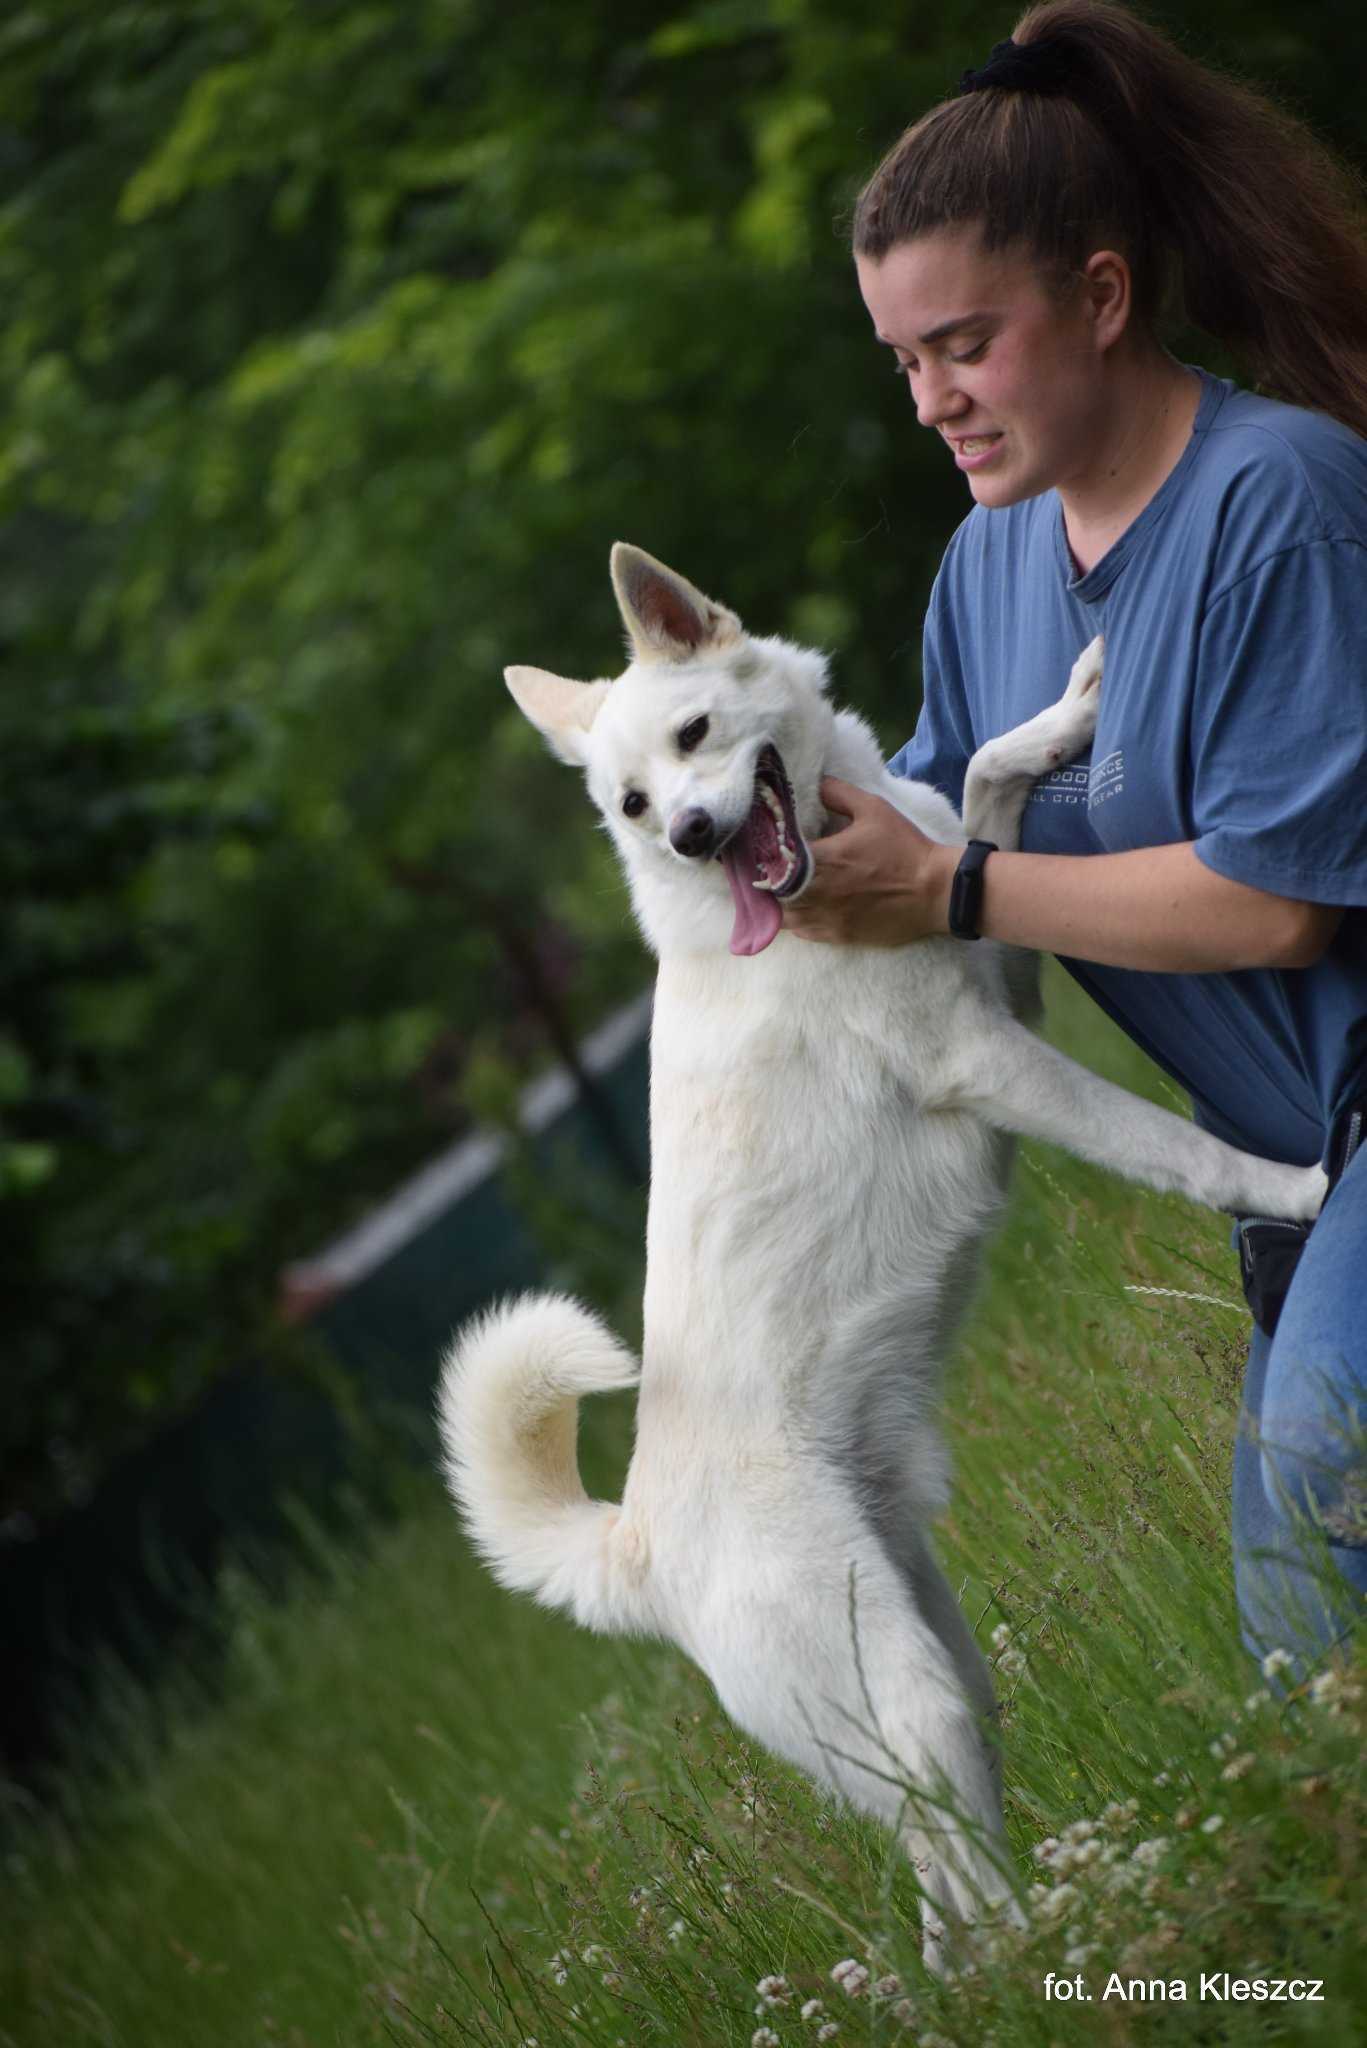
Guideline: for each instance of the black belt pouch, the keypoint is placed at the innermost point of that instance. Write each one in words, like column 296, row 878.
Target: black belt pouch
column 1269, row 1253
column 1270, row 1249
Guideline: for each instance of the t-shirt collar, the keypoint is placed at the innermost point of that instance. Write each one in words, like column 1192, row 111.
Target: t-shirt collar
column 1092, row 586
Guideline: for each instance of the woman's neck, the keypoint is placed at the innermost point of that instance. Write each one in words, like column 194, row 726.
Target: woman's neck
column 1143, row 426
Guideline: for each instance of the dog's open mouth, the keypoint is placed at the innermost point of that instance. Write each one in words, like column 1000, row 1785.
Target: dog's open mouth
column 765, row 859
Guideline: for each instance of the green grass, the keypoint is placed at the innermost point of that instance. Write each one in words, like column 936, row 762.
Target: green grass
column 409, row 1794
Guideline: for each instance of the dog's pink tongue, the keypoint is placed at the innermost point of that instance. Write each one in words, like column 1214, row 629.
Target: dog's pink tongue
column 758, row 917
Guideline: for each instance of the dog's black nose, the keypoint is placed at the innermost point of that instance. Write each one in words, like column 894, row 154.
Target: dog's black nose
column 693, row 833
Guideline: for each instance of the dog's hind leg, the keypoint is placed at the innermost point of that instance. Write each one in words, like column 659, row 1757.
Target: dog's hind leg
column 871, row 1699
column 941, row 1791
column 942, row 1612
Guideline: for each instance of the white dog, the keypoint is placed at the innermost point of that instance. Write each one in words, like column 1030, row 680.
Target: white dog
column 829, row 1151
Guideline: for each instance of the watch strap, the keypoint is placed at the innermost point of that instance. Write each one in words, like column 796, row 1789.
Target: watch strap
column 966, row 892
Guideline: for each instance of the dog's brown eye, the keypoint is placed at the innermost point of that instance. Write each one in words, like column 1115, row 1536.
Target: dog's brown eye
column 692, row 735
column 633, row 803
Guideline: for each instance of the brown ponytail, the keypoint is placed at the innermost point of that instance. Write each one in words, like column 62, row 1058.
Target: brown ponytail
column 1227, row 209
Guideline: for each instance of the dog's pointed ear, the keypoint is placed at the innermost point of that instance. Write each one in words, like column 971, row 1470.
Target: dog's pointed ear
column 562, row 710
column 665, row 617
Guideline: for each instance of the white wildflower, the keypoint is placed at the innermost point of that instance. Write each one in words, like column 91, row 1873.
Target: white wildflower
column 764, row 2037
column 1277, row 1660
column 1212, row 1826
column 1001, row 1635
column 851, row 1976
column 811, row 2009
column 1079, row 1831
column 1257, row 1700
column 1010, row 1663
column 561, row 1963
column 887, row 1987
column 1146, row 1854
column 676, row 1930
column 828, row 2032
column 775, row 1990
column 904, row 2012
column 1046, row 1852
column 1223, row 1745
column 1161, row 1778
column 1060, row 1900
column 697, row 1857
column 1079, row 1957
column 1120, row 1812
column 1238, row 1767
column 1332, row 1690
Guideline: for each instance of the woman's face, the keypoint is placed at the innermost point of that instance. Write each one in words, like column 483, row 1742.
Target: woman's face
column 1007, row 372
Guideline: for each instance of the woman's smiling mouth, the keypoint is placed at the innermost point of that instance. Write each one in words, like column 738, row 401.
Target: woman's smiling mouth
column 972, row 450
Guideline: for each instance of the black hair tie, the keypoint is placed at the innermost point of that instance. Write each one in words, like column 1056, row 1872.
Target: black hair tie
column 1044, row 65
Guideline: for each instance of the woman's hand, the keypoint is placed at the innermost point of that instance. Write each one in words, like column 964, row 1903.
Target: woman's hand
column 878, row 880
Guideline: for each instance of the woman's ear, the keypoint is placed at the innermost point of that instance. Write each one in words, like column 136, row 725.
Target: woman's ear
column 1109, row 290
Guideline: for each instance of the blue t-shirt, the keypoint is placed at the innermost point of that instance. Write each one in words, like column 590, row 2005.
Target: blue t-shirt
column 1233, row 715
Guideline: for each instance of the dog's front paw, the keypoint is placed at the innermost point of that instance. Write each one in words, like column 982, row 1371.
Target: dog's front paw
column 1072, row 721
column 1085, row 678
column 1313, row 1186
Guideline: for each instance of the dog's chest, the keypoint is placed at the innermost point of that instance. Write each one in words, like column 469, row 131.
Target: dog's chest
column 802, row 1028
column 791, row 1151
column 756, row 1082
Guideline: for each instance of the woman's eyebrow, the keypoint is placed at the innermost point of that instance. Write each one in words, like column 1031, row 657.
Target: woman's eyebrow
column 940, row 333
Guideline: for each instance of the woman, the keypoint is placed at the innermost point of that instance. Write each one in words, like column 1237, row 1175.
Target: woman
column 1207, row 876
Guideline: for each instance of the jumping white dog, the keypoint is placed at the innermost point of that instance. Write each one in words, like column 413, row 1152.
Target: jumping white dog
column 830, row 1147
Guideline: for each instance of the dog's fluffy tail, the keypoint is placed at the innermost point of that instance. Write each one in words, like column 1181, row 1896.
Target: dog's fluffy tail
column 507, row 1409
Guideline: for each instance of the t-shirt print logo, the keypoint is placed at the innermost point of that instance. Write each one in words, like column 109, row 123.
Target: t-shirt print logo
column 1106, row 779
column 1063, row 786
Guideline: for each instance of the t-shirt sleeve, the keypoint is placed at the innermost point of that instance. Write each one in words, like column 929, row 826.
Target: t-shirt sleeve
column 1279, row 726
column 941, row 747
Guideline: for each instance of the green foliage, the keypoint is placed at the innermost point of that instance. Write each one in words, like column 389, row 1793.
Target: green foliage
column 341, row 341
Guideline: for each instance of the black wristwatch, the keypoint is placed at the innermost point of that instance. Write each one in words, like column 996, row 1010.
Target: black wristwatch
column 966, row 894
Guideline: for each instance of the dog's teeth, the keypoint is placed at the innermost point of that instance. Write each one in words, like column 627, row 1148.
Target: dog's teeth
column 777, row 882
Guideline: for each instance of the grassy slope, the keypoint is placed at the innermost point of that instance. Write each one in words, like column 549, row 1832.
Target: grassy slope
column 400, row 1750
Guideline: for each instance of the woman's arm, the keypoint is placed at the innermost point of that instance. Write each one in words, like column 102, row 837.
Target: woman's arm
column 881, row 882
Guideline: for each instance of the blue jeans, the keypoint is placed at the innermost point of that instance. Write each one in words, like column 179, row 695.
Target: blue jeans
column 1300, row 1457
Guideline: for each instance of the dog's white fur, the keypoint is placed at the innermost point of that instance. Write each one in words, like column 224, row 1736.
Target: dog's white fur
column 830, row 1147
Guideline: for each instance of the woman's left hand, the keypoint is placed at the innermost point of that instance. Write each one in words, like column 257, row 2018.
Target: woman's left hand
column 878, row 880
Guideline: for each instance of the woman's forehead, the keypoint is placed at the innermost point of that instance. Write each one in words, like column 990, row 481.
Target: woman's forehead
column 922, row 288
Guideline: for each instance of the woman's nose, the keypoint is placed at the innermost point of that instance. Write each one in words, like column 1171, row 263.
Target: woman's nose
column 937, row 399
